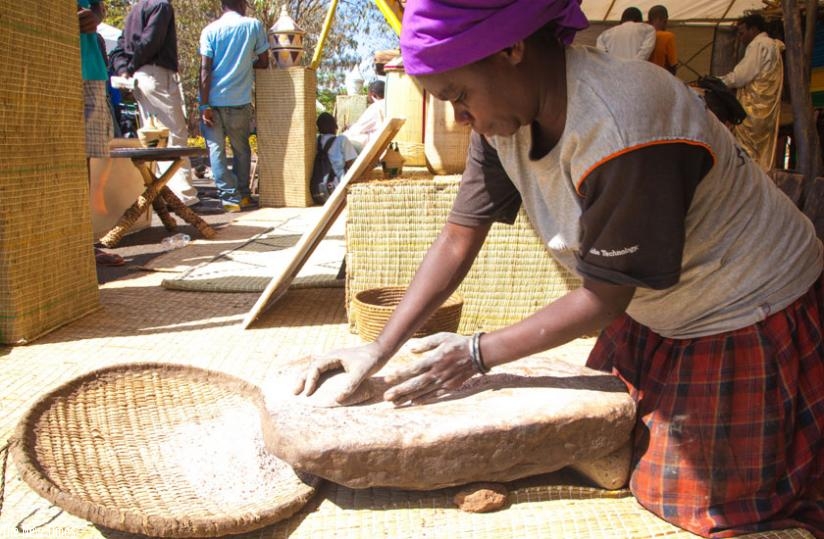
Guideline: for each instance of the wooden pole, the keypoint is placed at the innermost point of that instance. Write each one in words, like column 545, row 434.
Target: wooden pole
column 327, row 24
column 390, row 15
column 809, row 37
column 804, row 129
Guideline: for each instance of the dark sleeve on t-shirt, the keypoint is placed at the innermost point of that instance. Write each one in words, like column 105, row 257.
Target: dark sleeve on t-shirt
column 486, row 193
column 634, row 213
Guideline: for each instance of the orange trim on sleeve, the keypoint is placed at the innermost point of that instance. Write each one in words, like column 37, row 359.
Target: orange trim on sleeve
column 638, row 147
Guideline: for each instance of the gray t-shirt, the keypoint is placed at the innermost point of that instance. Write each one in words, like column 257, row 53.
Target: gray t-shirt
column 646, row 188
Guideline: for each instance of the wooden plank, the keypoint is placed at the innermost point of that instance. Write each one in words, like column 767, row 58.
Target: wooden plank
column 365, row 162
column 806, row 134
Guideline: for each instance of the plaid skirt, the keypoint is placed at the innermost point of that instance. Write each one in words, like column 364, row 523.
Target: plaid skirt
column 97, row 117
column 729, row 436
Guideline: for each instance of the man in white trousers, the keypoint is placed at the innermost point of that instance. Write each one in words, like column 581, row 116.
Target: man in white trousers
column 147, row 51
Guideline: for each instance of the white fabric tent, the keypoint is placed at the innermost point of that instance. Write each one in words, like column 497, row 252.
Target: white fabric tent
column 110, row 35
column 679, row 10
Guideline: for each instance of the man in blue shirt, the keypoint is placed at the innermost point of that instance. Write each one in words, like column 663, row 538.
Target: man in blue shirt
column 230, row 47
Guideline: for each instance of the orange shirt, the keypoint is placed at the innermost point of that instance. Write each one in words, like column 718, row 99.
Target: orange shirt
column 664, row 52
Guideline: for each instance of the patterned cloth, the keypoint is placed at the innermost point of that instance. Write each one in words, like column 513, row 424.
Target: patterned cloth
column 730, row 431
column 98, row 118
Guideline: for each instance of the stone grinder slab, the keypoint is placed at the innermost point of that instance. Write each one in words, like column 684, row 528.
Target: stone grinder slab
column 530, row 417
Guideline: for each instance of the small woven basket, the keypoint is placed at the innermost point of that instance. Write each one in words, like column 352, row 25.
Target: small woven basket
column 158, row 449
column 374, row 306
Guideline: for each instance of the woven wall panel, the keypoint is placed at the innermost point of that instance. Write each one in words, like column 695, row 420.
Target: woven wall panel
column 47, row 270
column 390, row 225
column 348, row 108
column 286, row 131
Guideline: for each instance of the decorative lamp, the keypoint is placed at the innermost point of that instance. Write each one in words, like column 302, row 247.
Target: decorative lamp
column 286, row 41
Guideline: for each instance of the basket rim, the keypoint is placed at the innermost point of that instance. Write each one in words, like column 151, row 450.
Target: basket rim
column 125, row 518
column 453, row 300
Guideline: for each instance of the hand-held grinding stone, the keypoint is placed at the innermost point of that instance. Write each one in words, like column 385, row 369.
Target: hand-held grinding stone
column 526, row 418
column 481, row 497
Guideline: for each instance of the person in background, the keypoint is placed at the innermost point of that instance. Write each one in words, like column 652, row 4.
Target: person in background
column 759, row 78
column 97, row 117
column 230, row 48
column 630, row 40
column 341, row 152
column 663, row 54
column 720, row 101
column 147, row 51
column 646, row 197
column 370, row 122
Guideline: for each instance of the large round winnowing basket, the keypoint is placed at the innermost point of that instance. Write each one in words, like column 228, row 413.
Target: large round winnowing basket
column 158, row 449
column 374, row 306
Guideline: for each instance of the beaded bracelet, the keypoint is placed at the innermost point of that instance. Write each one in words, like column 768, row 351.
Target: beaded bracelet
column 475, row 353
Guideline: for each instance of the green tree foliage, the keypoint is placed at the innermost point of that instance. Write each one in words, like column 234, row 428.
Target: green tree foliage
column 356, row 22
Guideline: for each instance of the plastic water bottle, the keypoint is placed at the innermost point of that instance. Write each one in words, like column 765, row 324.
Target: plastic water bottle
column 175, row 242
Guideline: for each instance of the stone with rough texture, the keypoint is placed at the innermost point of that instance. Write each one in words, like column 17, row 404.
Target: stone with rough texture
column 526, row 418
column 610, row 471
column 482, row 498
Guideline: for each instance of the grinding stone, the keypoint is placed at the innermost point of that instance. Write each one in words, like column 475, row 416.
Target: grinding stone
column 533, row 416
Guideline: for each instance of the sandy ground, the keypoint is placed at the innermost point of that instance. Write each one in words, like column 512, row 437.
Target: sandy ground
column 139, row 247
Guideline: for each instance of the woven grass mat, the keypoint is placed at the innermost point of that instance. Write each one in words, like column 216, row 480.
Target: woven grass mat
column 245, row 226
column 542, row 507
column 140, row 321
column 248, row 265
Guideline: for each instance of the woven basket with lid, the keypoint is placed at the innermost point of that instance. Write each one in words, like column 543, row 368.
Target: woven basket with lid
column 158, row 449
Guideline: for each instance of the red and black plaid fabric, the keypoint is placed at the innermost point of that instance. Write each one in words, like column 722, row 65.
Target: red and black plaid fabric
column 729, row 437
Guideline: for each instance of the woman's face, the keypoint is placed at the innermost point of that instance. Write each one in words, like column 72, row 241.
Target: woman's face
column 489, row 95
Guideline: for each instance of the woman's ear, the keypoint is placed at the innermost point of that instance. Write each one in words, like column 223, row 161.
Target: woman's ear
column 515, row 53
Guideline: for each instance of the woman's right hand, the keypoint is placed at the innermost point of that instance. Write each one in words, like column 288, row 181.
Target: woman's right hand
column 359, row 362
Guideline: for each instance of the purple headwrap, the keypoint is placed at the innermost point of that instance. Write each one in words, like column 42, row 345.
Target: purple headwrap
column 439, row 35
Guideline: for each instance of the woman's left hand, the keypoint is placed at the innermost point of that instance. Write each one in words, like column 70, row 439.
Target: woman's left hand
column 445, row 365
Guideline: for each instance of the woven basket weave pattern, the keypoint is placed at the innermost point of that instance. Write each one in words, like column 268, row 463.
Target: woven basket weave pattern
column 390, row 226
column 47, row 271
column 158, row 449
column 286, row 130
column 373, row 308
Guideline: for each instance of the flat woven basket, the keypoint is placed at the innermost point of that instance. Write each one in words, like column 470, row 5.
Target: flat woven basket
column 158, row 449
column 374, row 306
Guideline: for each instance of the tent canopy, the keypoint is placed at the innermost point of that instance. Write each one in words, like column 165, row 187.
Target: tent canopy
column 610, row 10
column 110, row 35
